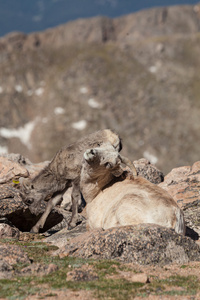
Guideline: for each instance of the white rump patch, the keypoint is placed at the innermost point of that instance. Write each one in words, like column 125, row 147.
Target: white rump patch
column 79, row 125
column 152, row 158
column 1, row 90
column 59, row 111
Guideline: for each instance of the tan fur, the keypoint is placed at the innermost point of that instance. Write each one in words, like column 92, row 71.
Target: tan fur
column 115, row 201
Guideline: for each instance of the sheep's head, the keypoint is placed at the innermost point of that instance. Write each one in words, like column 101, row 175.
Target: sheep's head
column 31, row 196
column 102, row 162
column 106, row 159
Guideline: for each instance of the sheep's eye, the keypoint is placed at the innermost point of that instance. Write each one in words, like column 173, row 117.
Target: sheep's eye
column 29, row 201
column 108, row 165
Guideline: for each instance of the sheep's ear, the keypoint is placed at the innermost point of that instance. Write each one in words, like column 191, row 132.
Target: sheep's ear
column 25, row 182
column 108, row 165
column 22, row 180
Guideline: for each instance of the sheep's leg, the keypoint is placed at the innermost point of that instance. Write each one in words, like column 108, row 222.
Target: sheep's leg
column 76, row 199
column 51, row 204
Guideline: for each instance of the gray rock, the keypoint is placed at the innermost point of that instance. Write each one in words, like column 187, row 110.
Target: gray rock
column 6, row 270
column 148, row 171
column 16, row 157
column 59, row 238
column 18, row 214
column 7, row 231
column 143, row 244
column 13, row 254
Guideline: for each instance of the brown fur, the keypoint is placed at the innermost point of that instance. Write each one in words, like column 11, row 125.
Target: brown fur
column 63, row 171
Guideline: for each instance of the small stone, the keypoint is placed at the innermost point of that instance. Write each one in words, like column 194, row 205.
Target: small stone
column 7, row 231
column 52, row 268
column 140, row 277
column 82, row 275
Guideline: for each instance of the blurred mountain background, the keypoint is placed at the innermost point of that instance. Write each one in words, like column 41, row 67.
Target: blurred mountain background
column 37, row 15
column 138, row 74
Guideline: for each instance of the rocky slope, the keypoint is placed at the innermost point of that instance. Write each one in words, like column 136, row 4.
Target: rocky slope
column 137, row 74
column 148, row 260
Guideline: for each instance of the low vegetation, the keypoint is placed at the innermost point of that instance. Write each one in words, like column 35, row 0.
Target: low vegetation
column 109, row 282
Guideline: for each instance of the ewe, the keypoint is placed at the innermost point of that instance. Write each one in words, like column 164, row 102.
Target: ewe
column 115, row 198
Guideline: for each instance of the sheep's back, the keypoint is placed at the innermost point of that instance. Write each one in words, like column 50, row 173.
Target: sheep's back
column 130, row 201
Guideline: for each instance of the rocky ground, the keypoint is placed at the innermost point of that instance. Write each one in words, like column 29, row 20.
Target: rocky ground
column 133, row 262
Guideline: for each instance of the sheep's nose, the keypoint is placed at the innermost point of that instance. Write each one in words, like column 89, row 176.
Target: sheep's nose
column 92, row 151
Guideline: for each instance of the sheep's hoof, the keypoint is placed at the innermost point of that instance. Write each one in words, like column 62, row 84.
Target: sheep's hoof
column 71, row 226
column 34, row 230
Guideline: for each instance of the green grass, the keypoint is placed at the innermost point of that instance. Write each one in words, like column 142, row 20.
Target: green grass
column 174, row 286
column 108, row 286
column 22, row 286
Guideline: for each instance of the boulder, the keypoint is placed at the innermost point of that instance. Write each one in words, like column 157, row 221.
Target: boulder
column 183, row 184
column 13, row 208
column 7, row 231
column 18, row 214
column 10, row 255
column 142, row 244
column 59, row 238
column 16, row 165
column 10, row 200
column 149, row 171
column 13, row 254
column 10, row 170
column 13, row 166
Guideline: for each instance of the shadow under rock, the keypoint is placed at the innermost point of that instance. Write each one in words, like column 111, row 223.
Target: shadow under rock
column 192, row 234
column 24, row 220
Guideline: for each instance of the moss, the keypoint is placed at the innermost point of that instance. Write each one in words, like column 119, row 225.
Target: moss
column 189, row 283
column 22, row 286
column 184, row 267
column 173, row 285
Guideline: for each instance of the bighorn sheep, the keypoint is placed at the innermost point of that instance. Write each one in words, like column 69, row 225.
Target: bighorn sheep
column 61, row 173
column 115, row 198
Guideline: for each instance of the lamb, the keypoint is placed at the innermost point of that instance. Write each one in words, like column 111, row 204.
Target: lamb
column 115, row 198
column 61, row 173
